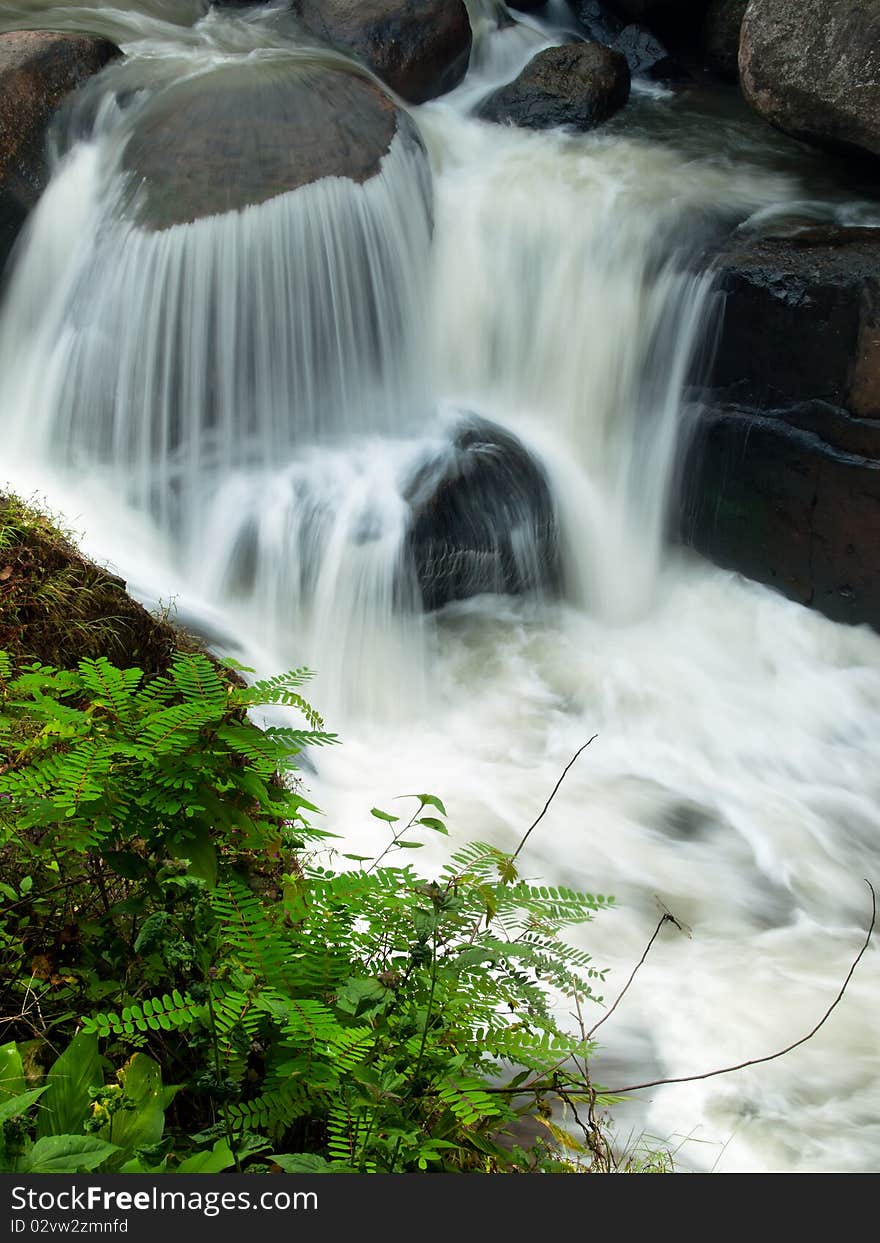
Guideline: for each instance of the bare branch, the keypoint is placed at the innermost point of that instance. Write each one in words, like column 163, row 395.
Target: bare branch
column 664, row 919
column 757, row 1061
column 535, row 823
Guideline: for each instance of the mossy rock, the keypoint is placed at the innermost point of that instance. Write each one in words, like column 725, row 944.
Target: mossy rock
column 57, row 607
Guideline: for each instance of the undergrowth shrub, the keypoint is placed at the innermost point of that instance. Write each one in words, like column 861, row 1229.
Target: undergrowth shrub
column 192, row 981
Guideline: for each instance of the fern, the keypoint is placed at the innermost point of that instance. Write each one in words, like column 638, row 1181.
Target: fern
column 110, row 687
column 170, row 1012
column 249, row 935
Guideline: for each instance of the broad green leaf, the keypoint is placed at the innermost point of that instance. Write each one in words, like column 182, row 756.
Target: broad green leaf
column 12, row 1106
column 384, row 815
column 202, row 857
column 430, row 822
column 67, row 1154
column 360, row 996
column 63, row 1108
column 429, row 800
column 210, row 1161
column 141, row 1080
column 138, row 1166
column 12, row 1080
column 302, row 1163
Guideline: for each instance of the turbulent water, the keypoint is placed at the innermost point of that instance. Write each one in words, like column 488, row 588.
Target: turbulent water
column 146, row 388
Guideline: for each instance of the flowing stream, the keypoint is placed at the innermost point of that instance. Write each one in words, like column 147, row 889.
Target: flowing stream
column 552, row 286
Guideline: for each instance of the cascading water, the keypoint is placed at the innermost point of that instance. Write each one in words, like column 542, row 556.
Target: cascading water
column 244, row 410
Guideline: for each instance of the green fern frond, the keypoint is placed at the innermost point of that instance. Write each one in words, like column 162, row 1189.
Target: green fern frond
column 197, row 681
column 170, row 1012
column 109, row 686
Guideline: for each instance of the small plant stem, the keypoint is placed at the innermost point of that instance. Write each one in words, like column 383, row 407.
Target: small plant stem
column 535, row 823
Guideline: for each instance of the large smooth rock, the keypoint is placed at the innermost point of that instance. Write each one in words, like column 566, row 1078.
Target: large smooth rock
column 813, row 69
column 579, row 85
column 245, row 134
column 721, row 33
column 802, row 319
column 483, row 519
column 38, row 70
column 790, row 498
column 420, row 48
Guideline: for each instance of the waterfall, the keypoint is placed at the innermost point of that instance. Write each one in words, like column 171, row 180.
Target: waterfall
column 315, row 419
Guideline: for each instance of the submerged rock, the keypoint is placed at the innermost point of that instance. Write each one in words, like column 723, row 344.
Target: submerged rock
column 420, row 48
column 579, row 84
column 813, row 69
column 483, row 519
column 38, row 70
column 245, row 134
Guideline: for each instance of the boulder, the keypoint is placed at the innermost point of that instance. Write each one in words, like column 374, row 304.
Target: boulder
column 600, row 24
column 790, row 498
column 483, row 519
column 420, row 48
column 721, row 31
column 579, row 85
column 247, row 133
column 646, row 55
column 782, row 479
column 813, row 69
column 801, row 319
column 38, row 70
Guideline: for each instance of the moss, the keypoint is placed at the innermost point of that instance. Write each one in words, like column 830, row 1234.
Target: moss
column 57, row 607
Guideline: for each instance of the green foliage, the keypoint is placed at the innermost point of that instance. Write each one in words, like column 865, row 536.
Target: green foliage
column 166, row 895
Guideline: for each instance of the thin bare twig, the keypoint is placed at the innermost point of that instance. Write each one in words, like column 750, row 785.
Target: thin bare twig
column 757, row 1061
column 545, row 1086
column 664, row 919
column 535, row 823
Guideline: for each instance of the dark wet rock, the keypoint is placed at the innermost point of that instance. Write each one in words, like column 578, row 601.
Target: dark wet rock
column 600, row 24
column 635, row 10
column 813, row 69
column 245, row 134
column 526, row 6
column 646, row 54
column 802, row 319
column 721, row 31
column 657, row 10
column 38, row 71
column 790, row 498
column 483, row 519
column 420, row 48
column 579, row 85
column 647, row 57
column 782, row 480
